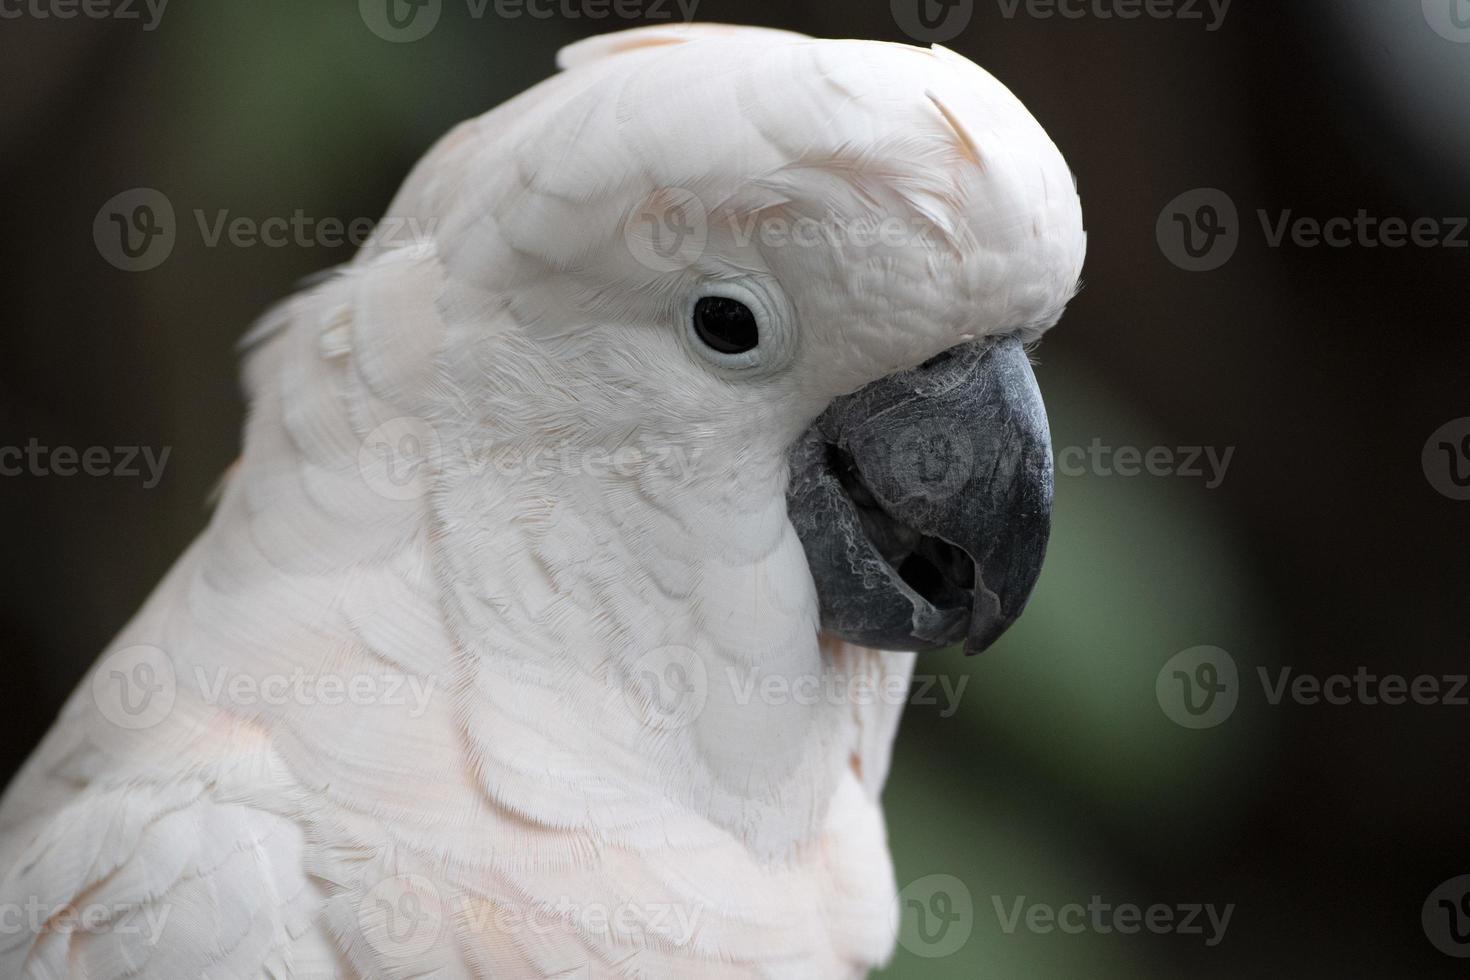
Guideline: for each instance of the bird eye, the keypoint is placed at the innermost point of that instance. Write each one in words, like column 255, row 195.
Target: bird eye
column 726, row 325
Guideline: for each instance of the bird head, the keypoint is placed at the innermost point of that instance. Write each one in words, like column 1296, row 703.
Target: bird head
column 817, row 262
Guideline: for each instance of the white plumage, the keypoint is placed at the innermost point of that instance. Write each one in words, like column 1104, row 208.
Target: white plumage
column 493, row 813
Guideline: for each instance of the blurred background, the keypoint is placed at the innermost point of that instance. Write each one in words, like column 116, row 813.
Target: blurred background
column 1333, row 541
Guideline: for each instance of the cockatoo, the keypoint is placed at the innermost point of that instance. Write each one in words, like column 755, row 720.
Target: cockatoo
column 543, row 626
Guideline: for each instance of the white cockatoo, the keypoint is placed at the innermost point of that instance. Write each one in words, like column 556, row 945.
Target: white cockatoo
column 541, row 627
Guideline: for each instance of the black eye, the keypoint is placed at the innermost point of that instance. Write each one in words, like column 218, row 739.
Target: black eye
column 726, row 325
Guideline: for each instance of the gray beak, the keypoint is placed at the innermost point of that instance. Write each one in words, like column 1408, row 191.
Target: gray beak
column 924, row 501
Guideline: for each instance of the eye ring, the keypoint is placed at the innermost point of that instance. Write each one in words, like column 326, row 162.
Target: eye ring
column 724, row 338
